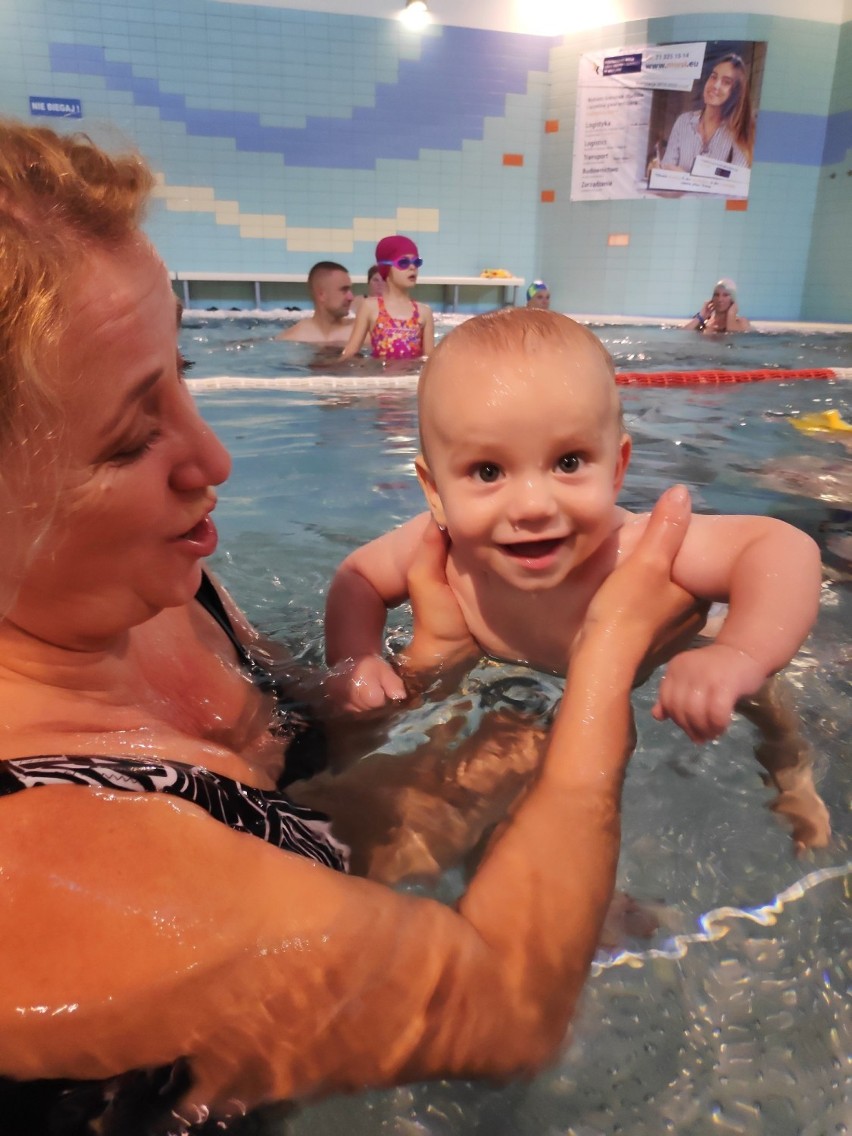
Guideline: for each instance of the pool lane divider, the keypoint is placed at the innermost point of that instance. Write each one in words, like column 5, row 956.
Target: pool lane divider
column 707, row 378
column 365, row 384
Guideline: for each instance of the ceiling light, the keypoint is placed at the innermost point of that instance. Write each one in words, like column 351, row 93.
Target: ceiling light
column 415, row 15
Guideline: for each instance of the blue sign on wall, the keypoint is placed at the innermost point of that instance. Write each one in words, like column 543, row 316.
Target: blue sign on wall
column 56, row 108
column 626, row 64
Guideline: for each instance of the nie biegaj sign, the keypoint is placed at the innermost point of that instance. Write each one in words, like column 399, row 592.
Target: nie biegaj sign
column 56, row 108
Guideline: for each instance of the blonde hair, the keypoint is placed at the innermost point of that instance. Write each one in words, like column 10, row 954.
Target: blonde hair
column 60, row 197
column 507, row 330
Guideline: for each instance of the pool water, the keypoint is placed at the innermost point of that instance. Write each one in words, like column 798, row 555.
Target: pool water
column 246, row 347
column 734, row 1017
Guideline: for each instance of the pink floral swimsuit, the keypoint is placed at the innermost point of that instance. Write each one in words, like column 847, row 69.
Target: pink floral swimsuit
column 396, row 339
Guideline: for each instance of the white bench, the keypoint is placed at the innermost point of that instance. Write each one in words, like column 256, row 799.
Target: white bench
column 451, row 284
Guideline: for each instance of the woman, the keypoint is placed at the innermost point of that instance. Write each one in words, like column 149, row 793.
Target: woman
column 724, row 127
column 175, row 931
column 721, row 312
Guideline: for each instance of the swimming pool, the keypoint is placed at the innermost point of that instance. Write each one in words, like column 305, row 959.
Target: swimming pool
column 734, row 1017
column 244, row 348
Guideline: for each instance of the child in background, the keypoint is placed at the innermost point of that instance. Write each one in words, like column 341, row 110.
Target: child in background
column 538, row 295
column 523, row 454
column 399, row 327
column 375, row 287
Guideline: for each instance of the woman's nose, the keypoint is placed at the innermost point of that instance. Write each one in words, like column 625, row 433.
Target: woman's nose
column 204, row 460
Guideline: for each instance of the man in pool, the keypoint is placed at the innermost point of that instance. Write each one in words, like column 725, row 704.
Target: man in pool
column 523, row 454
column 330, row 287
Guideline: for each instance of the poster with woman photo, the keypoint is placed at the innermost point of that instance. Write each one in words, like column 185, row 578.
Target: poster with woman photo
column 667, row 120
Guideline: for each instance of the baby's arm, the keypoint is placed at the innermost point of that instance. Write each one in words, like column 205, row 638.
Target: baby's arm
column 428, row 329
column 363, row 322
column 369, row 582
column 769, row 572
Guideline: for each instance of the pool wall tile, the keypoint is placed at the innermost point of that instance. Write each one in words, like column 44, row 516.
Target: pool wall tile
column 308, row 132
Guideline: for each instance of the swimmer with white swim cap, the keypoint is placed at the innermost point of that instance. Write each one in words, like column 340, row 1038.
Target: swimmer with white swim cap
column 720, row 313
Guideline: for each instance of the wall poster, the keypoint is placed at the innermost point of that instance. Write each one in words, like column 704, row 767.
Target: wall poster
column 667, row 120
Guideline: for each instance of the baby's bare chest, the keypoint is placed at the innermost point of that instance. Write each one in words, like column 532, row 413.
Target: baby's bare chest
column 537, row 629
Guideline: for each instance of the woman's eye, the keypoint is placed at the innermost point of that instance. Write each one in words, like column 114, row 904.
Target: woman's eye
column 487, row 472
column 568, row 463
column 133, row 451
column 184, row 364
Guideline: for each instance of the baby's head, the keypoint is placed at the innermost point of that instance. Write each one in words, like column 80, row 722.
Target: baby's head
column 519, row 410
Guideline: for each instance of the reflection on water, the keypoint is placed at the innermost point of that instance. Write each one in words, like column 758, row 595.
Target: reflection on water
column 734, row 1017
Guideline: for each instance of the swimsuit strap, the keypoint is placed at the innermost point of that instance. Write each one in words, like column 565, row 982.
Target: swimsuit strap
column 269, row 815
column 295, row 722
column 212, row 603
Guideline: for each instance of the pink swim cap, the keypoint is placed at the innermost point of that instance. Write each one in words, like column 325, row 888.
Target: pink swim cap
column 390, row 248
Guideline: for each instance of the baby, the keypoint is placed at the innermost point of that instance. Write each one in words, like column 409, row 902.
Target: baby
column 523, row 454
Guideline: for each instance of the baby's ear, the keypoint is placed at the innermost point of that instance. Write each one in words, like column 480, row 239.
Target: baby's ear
column 625, row 447
column 430, row 490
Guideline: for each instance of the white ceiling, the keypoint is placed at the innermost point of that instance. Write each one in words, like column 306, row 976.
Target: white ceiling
column 558, row 17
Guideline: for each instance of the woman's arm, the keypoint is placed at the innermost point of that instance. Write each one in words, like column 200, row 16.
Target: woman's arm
column 161, row 933
column 428, row 329
column 734, row 321
column 699, row 320
column 364, row 319
column 671, row 157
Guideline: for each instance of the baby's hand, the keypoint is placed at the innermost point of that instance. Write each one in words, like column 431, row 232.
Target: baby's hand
column 366, row 683
column 700, row 689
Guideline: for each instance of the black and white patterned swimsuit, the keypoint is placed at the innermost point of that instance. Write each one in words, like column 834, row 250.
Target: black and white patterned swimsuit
column 271, row 816
column 140, row 1102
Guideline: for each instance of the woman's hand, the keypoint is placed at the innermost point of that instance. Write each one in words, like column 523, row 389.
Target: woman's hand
column 441, row 641
column 639, row 603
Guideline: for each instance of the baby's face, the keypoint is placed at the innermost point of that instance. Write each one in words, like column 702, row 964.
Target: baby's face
column 525, row 459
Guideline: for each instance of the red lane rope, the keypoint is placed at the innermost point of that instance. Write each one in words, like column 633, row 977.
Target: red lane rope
column 706, row 378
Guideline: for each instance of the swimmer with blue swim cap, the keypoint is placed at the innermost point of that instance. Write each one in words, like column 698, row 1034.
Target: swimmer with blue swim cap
column 538, row 295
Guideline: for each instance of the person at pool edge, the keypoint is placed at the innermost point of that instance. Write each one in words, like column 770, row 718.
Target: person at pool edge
column 538, row 295
column 721, row 312
column 155, row 876
column 330, row 287
column 522, row 456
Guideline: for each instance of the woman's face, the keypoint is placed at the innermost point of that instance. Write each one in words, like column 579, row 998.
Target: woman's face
column 722, row 299
column 132, row 522
column 717, row 89
column 375, row 285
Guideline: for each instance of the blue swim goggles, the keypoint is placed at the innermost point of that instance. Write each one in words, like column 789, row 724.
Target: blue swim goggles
column 403, row 262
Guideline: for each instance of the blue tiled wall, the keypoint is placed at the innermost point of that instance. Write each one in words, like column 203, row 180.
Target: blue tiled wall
column 828, row 284
column 282, row 137
column 678, row 248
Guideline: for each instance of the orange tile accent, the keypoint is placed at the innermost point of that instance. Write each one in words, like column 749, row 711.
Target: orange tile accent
column 618, row 240
column 735, row 205
column 551, row 126
column 548, row 195
column 513, row 159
